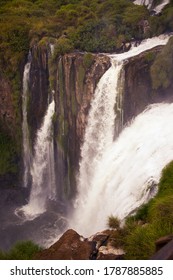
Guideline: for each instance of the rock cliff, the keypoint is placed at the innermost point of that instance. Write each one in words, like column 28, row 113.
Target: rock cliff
column 38, row 88
column 138, row 91
column 73, row 79
column 72, row 246
column 76, row 79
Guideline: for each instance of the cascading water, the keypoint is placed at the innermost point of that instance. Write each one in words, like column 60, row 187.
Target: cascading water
column 160, row 7
column 149, row 3
column 42, row 169
column 100, row 129
column 25, row 130
column 113, row 176
column 129, row 170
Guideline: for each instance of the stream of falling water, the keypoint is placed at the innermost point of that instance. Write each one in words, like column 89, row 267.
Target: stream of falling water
column 25, row 130
column 100, row 128
column 149, row 3
column 115, row 177
column 42, row 169
column 129, row 170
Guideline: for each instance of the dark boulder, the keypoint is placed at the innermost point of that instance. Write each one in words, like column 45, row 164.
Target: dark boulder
column 71, row 246
column 166, row 251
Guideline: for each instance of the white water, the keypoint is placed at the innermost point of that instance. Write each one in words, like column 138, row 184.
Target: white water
column 149, row 4
column 98, row 186
column 124, row 177
column 144, row 46
column 25, row 131
column 160, row 7
column 42, row 169
column 100, row 129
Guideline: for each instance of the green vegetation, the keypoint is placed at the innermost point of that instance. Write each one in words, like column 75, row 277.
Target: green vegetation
column 162, row 68
column 150, row 57
column 162, row 23
column 92, row 26
column 76, row 25
column 88, row 59
column 21, row 251
column 113, row 222
column 8, row 154
column 63, row 45
column 10, row 138
column 152, row 221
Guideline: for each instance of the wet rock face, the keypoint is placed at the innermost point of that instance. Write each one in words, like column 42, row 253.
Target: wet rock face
column 138, row 91
column 76, row 79
column 38, row 88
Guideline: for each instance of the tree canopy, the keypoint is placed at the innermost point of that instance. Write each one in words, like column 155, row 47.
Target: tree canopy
column 86, row 25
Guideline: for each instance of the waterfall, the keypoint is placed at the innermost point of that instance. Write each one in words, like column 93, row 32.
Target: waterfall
column 149, row 3
column 106, row 181
column 160, row 7
column 25, row 130
column 100, row 129
column 129, row 171
column 42, row 169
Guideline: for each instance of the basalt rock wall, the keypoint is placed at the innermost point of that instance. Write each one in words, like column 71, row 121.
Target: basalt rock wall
column 138, row 89
column 73, row 78
column 76, row 79
column 38, row 88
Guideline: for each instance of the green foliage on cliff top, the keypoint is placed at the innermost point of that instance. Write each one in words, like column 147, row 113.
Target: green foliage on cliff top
column 86, row 25
column 21, row 251
column 151, row 221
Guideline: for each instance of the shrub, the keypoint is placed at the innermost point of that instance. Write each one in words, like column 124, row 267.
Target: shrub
column 161, row 211
column 166, row 181
column 63, row 45
column 117, row 238
column 21, row 251
column 88, row 60
column 139, row 243
column 113, row 222
column 142, row 213
column 157, row 215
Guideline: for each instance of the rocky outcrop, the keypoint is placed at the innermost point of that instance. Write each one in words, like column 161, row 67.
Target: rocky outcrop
column 162, row 241
column 138, row 91
column 164, row 248
column 72, row 246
